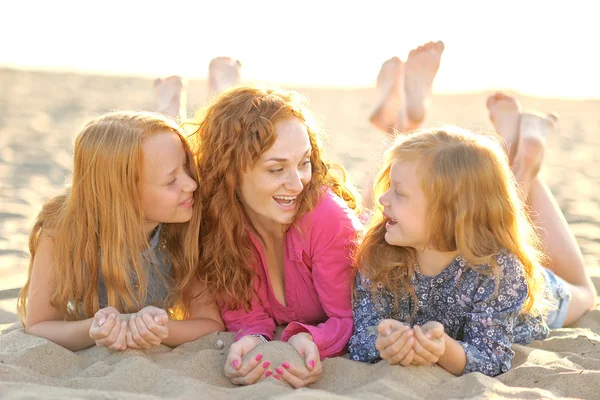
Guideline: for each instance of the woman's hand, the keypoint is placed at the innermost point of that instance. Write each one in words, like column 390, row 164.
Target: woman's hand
column 395, row 342
column 429, row 343
column 249, row 371
column 301, row 375
column 107, row 330
column 147, row 328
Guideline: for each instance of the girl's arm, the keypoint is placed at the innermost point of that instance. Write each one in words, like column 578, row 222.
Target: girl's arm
column 44, row 320
column 454, row 358
column 366, row 319
column 488, row 331
column 204, row 318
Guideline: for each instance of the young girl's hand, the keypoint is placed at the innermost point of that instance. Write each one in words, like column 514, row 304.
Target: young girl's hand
column 249, row 371
column 395, row 342
column 147, row 328
column 107, row 330
column 429, row 344
column 301, row 375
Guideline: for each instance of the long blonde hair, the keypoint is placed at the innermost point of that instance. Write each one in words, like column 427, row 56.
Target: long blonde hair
column 234, row 131
column 473, row 203
column 101, row 217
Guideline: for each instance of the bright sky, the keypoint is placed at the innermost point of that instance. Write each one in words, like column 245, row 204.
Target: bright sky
column 533, row 47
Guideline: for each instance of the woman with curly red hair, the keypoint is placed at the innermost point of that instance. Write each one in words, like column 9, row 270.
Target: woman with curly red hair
column 277, row 232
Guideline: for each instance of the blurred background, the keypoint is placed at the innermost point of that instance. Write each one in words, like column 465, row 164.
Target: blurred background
column 534, row 47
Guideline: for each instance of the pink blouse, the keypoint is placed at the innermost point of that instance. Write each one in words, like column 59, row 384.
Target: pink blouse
column 317, row 257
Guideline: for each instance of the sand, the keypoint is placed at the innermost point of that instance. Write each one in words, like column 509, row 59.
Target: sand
column 40, row 114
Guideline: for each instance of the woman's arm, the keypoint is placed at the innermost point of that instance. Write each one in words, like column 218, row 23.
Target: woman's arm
column 204, row 318
column 333, row 233
column 255, row 321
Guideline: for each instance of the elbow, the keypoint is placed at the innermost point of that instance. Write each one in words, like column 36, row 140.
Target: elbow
column 29, row 328
column 220, row 326
column 214, row 325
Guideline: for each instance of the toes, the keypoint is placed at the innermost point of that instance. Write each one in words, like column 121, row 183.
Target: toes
column 391, row 62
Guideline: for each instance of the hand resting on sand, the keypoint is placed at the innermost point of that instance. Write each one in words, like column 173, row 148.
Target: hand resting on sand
column 244, row 370
column 142, row 330
column 398, row 343
column 304, row 374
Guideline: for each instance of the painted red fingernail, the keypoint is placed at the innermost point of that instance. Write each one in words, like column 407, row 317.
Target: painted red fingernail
column 268, row 373
column 312, row 363
column 259, row 357
column 279, row 371
column 266, row 364
column 276, row 377
column 285, row 365
column 235, row 363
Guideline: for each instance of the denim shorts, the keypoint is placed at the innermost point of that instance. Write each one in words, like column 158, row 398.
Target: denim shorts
column 559, row 293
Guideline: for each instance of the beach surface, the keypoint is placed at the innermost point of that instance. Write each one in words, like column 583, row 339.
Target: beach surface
column 40, row 114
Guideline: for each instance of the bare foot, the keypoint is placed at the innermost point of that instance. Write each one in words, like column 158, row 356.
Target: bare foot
column 505, row 114
column 390, row 82
column 170, row 96
column 223, row 73
column 533, row 130
column 421, row 67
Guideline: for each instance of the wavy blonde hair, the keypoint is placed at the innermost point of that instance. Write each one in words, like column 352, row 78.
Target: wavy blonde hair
column 233, row 132
column 101, row 217
column 473, row 202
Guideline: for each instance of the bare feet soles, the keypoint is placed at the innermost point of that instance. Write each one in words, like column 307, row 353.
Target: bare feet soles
column 524, row 135
column 505, row 114
column 170, row 97
column 223, row 73
column 406, row 89
column 421, row 67
column 534, row 128
column 390, row 82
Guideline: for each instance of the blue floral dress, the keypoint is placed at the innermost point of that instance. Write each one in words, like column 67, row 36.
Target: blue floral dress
column 464, row 299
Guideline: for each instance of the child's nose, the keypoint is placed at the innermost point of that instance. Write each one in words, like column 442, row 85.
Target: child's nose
column 383, row 200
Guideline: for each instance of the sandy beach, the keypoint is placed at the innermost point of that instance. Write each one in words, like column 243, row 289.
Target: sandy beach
column 40, row 114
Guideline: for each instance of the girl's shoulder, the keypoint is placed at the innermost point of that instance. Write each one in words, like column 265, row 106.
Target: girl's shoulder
column 509, row 263
column 507, row 270
column 505, row 262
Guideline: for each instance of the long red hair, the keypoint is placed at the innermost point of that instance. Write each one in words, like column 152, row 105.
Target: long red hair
column 234, row 131
column 473, row 203
column 101, row 216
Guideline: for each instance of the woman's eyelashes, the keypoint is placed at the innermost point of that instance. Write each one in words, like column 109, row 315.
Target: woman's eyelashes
column 303, row 164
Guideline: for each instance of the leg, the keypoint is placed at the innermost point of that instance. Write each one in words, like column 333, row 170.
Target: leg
column 390, row 82
column 422, row 65
column 406, row 89
column 562, row 249
column 533, row 129
column 529, row 131
column 505, row 114
column 223, row 73
column 170, row 96
column 405, row 95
